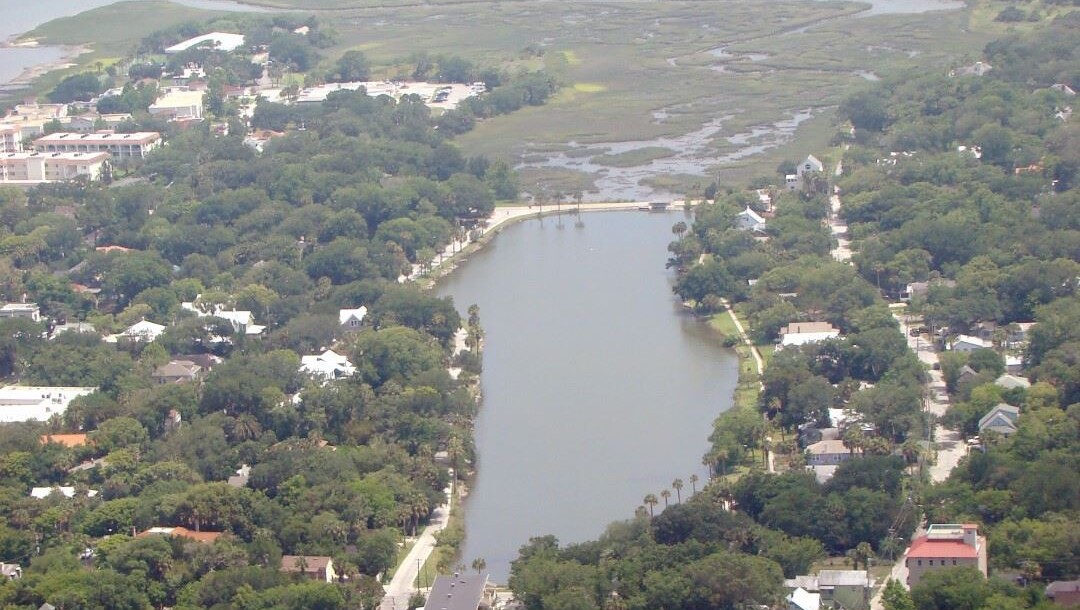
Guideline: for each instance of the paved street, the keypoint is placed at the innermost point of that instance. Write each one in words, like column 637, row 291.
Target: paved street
column 403, row 584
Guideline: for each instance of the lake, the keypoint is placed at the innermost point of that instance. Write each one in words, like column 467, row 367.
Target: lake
column 598, row 387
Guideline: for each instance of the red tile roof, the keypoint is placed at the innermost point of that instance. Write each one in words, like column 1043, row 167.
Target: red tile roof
column 67, row 440
column 924, row 548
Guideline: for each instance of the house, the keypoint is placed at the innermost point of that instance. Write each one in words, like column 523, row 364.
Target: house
column 243, row 322
column 1001, row 419
column 979, row 68
column 811, row 164
column 801, row 599
column 1013, row 364
column 1063, row 88
column 240, row 479
column 1064, row 593
column 173, row 420
column 89, row 123
column 141, row 332
column 966, row 375
column 945, row 546
column 314, row 567
column 848, row 589
column 76, row 327
column 181, row 532
column 749, row 220
column 1011, row 382
column 67, row 440
column 176, row 371
column 179, row 105
column 326, row 366
column 351, row 318
column 37, row 403
column 802, row 333
column 459, row 592
column 205, row 361
column 967, row 343
column 119, row 145
column 810, row 433
column 828, row 453
column 68, row 492
column 29, row 311
column 219, row 41
column 11, row 571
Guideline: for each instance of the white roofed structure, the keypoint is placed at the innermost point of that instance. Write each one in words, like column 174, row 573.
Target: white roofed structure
column 37, row 403
column 219, row 41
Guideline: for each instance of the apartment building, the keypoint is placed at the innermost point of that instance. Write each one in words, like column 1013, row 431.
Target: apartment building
column 10, row 138
column 119, row 145
column 36, row 167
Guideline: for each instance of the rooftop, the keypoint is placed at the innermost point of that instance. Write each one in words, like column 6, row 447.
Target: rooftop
column 457, row 592
column 826, row 447
column 66, row 137
column 37, row 403
column 221, row 41
column 312, row 563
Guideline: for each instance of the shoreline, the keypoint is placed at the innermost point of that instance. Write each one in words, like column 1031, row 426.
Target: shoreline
column 29, row 75
column 508, row 216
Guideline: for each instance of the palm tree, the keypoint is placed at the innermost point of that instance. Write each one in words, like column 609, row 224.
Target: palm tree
column 650, row 501
column 679, row 229
column 861, row 554
column 693, row 483
column 665, row 495
column 479, row 564
column 677, row 484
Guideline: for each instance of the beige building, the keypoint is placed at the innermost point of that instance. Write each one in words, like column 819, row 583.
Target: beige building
column 10, row 138
column 179, row 105
column 119, row 145
column 36, row 168
column 946, row 546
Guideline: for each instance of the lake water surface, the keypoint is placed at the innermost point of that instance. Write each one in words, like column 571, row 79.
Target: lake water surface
column 598, row 388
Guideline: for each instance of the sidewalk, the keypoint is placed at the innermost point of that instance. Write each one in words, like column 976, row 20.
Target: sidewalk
column 403, row 584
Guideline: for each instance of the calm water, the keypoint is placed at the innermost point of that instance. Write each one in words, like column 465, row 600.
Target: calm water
column 598, row 388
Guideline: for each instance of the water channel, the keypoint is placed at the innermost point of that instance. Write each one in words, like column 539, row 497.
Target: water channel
column 598, row 388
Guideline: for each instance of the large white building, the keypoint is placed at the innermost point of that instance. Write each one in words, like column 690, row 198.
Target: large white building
column 219, row 41
column 37, row 167
column 119, row 145
column 179, row 105
column 32, row 403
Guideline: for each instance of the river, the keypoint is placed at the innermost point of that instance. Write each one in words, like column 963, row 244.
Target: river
column 598, row 387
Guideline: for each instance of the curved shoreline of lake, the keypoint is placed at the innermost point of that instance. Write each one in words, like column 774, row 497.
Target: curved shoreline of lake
column 598, row 386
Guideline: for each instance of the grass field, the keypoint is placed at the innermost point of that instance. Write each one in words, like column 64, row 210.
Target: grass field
column 642, row 77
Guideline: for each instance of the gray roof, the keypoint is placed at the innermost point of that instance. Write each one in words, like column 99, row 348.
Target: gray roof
column 842, row 578
column 1008, row 411
column 459, row 592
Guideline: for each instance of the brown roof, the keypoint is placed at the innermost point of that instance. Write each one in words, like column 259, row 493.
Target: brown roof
column 807, row 327
column 312, row 563
column 182, row 532
column 67, row 440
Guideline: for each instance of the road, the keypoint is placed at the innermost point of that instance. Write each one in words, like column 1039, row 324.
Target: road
column 949, row 446
column 403, row 584
column 760, row 364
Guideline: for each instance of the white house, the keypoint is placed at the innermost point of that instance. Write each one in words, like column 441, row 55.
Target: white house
column 68, row 492
column 242, row 321
column 351, row 318
column 29, row 311
column 801, row 599
column 23, row 403
column 179, row 105
column 1001, row 419
column 794, row 182
column 327, row 365
column 967, row 343
column 749, row 220
column 143, row 331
